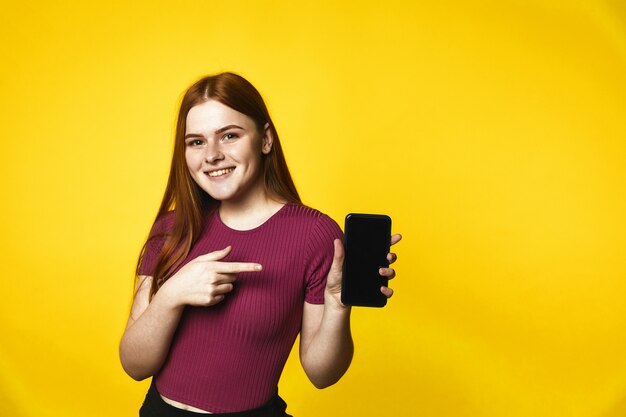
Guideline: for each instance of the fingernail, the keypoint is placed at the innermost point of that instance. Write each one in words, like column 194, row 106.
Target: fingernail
column 258, row 267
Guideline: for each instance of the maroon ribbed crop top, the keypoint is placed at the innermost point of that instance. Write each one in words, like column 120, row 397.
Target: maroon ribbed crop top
column 229, row 357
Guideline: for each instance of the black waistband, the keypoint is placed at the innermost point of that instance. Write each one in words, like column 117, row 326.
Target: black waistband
column 154, row 406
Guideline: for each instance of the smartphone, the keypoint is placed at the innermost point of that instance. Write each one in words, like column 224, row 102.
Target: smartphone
column 366, row 241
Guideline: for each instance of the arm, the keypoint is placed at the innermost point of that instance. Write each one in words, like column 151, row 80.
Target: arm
column 149, row 331
column 202, row 282
column 326, row 346
column 327, row 353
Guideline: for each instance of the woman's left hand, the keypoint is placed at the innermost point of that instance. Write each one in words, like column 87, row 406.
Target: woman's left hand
column 333, row 282
column 390, row 273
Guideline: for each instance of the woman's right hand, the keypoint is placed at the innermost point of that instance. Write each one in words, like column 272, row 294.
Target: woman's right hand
column 205, row 280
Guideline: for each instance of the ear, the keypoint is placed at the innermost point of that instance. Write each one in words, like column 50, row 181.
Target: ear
column 268, row 139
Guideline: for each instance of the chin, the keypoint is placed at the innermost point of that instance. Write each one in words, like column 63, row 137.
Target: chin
column 221, row 195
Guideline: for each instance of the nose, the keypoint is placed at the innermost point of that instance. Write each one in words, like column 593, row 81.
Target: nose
column 213, row 152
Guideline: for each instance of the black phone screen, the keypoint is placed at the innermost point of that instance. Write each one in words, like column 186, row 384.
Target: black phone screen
column 367, row 241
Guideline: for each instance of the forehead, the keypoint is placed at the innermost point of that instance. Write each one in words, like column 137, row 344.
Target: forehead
column 212, row 115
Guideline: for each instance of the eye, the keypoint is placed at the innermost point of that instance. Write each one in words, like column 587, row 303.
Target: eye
column 194, row 142
column 230, row 136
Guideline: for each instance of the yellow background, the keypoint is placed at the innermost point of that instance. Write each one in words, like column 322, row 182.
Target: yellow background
column 493, row 132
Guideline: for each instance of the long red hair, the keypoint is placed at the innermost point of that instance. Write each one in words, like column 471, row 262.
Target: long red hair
column 189, row 202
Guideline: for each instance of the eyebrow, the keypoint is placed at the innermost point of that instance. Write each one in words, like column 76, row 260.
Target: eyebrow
column 217, row 132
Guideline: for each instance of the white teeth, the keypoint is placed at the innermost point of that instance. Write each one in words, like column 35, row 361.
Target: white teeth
column 220, row 172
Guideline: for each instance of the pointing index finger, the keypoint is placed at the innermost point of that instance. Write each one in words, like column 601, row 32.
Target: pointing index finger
column 235, row 267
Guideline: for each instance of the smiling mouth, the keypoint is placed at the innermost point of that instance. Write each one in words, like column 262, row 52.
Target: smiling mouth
column 219, row 172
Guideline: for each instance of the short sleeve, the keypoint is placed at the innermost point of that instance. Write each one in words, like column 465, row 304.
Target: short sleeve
column 156, row 240
column 319, row 257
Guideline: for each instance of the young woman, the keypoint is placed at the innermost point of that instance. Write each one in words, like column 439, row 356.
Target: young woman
column 234, row 268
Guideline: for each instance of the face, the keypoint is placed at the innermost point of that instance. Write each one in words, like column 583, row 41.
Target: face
column 223, row 150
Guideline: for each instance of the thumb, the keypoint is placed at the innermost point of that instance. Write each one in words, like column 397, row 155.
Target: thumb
column 336, row 269
column 215, row 255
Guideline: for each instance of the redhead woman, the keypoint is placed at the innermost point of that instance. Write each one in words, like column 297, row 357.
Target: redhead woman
column 235, row 266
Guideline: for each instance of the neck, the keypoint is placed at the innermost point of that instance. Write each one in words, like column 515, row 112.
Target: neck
column 251, row 212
